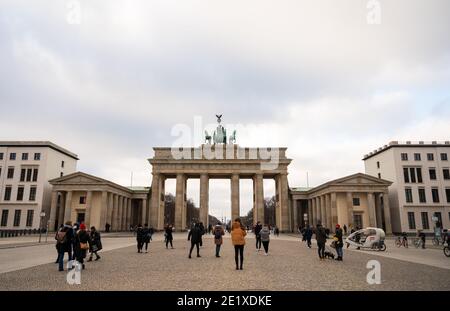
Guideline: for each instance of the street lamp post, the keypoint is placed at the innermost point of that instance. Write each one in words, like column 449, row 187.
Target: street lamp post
column 42, row 215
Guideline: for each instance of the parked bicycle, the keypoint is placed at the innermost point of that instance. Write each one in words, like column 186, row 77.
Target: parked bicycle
column 402, row 241
column 447, row 251
column 418, row 242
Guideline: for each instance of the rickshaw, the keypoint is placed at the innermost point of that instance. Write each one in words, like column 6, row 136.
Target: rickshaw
column 369, row 238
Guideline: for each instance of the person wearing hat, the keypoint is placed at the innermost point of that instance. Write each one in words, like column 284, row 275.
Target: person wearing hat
column 82, row 244
column 339, row 243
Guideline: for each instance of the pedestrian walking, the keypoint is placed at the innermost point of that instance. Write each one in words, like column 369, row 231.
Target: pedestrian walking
column 169, row 236
column 339, row 243
column 202, row 230
column 218, row 240
column 321, row 238
column 308, row 235
column 107, row 227
column 95, row 245
column 238, row 234
column 345, row 229
column 277, row 231
column 64, row 239
column 81, row 244
column 265, row 238
column 257, row 230
column 195, row 236
column 146, row 237
column 139, row 237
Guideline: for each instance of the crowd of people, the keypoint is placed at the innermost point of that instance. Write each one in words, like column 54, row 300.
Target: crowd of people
column 322, row 234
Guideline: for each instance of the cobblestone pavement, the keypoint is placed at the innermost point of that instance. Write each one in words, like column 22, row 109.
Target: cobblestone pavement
column 290, row 266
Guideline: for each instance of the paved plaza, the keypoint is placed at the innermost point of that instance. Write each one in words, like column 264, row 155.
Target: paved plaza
column 290, row 266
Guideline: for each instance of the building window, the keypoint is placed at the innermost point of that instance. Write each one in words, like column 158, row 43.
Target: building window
column 435, row 194
column 62, row 163
column 413, row 175
column 5, row 213
column 406, row 175
column 29, row 173
column 30, row 215
column 447, row 194
column 446, row 173
column 411, row 221
column 82, row 200
column 32, row 193
column 17, row 214
column 422, row 195
column 356, row 202
column 10, row 174
column 444, row 157
column 378, row 164
column 408, row 195
column 432, row 173
column 22, row 174
column 7, row 196
column 438, row 215
column 417, row 157
column 404, row 157
column 35, row 174
column 430, row 157
column 24, row 156
column 20, row 193
column 425, row 222
column 12, row 156
column 61, row 174
column 37, row 156
column 1, row 155
column 419, row 175
column 379, row 175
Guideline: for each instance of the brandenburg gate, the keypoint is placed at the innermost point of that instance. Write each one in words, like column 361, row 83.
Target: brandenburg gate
column 219, row 161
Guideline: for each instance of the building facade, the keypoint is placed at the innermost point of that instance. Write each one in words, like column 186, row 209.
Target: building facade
column 25, row 169
column 420, row 193
column 356, row 201
column 80, row 197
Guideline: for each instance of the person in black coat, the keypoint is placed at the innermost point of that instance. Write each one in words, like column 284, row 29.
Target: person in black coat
column 139, row 237
column 195, row 236
column 146, row 237
column 82, row 243
column 169, row 236
column 339, row 243
column 64, row 238
column 308, row 235
column 202, row 230
column 321, row 237
column 95, row 245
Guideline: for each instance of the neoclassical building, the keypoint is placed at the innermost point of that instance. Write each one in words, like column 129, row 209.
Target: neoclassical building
column 356, row 200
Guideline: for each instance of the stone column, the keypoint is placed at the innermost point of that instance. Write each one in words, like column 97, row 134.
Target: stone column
column 62, row 203
column 162, row 202
column 154, row 200
column 110, row 210
column 371, row 209
column 350, row 210
column 68, row 207
column 184, row 208
column 87, row 215
column 378, row 210
column 204, row 198
column 323, row 211
column 314, row 212
column 144, row 209
column 319, row 210
column 114, row 225
column 387, row 213
column 119, row 213
column 103, row 210
column 310, row 213
column 330, row 223
column 234, row 196
column 295, row 214
column 334, row 214
column 259, row 200
column 53, row 211
column 129, row 213
column 143, row 212
column 179, row 202
column 124, row 214
column 283, row 192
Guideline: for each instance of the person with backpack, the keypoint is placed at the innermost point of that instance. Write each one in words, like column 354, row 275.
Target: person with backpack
column 257, row 230
column 339, row 243
column 321, row 237
column 169, row 236
column 64, row 238
column 56, row 245
column 140, row 237
column 146, row 237
column 218, row 240
column 238, row 234
column 195, row 236
column 82, row 244
column 265, row 238
column 95, row 245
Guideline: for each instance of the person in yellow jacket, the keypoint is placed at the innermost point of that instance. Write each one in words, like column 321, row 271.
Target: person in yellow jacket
column 238, row 234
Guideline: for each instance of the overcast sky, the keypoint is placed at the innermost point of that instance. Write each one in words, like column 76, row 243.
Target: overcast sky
column 111, row 80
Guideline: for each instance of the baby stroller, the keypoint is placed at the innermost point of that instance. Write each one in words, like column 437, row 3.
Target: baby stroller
column 330, row 250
